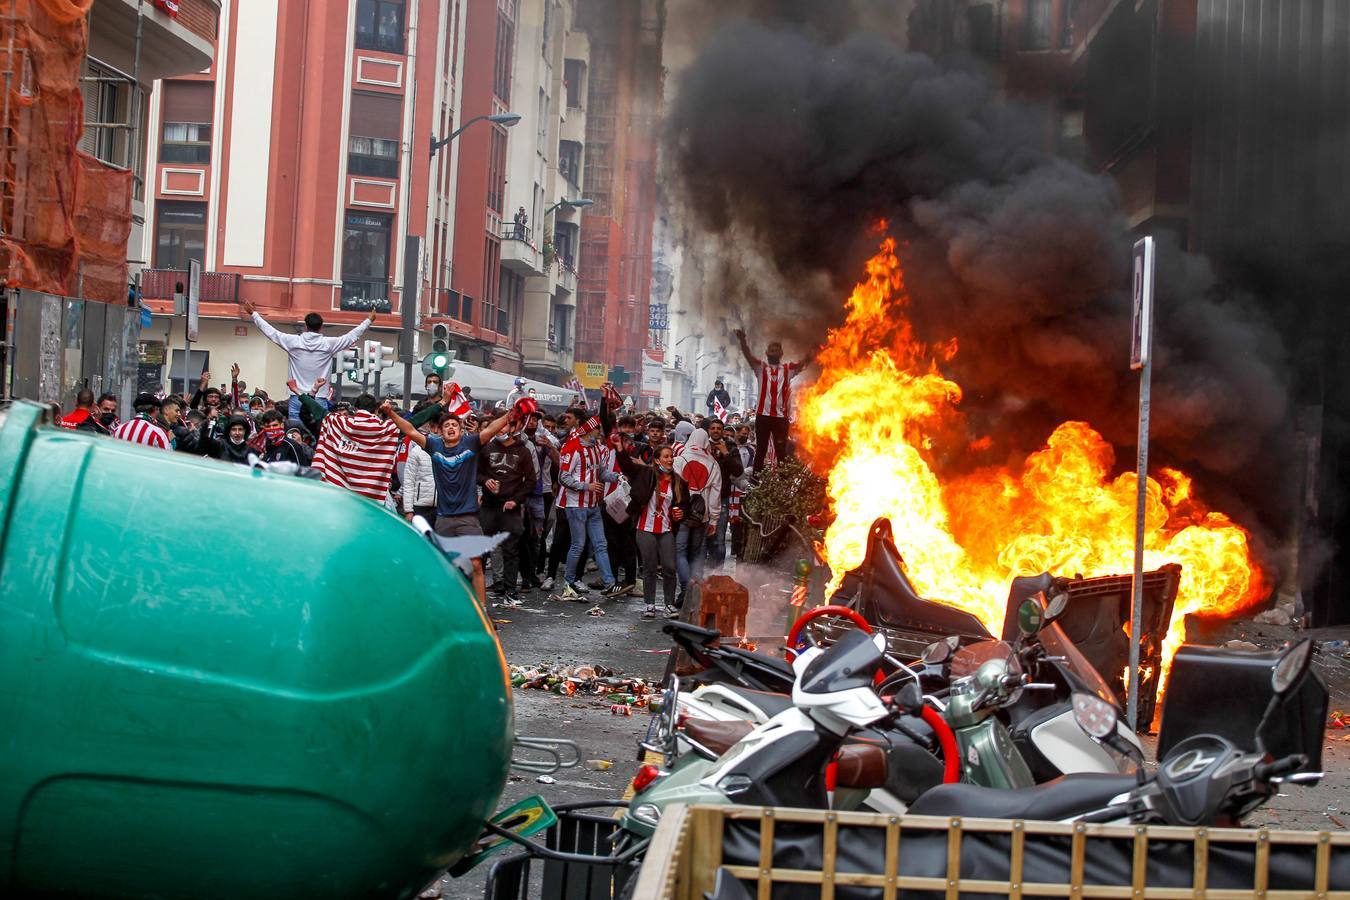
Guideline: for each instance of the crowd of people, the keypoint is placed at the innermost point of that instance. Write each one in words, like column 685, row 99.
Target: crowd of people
column 654, row 497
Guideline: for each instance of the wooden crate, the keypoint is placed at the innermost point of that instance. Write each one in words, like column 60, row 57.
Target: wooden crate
column 687, row 850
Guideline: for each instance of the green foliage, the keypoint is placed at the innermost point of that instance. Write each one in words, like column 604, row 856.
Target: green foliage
column 790, row 490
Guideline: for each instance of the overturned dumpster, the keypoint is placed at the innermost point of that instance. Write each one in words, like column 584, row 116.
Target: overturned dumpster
column 222, row 683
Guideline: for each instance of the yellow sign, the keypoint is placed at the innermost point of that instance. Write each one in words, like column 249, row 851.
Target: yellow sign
column 591, row 375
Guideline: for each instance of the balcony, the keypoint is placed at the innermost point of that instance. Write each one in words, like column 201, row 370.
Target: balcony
column 567, row 276
column 363, row 295
column 519, row 254
column 217, row 287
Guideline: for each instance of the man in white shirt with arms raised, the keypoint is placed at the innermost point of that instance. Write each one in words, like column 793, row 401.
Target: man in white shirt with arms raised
column 310, row 353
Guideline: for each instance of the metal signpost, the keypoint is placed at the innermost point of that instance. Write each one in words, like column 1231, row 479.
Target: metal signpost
column 1141, row 359
column 190, row 306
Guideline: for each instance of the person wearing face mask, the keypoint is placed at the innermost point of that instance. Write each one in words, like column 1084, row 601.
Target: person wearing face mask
column 228, row 444
column 729, row 461
column 653, row 511
column 103, row 418
column 537, row 505
column 507, row 473
column 775, row 398
column 702, row 505
column 271, row 444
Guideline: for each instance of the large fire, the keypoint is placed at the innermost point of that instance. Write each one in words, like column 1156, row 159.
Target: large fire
column 871, row 420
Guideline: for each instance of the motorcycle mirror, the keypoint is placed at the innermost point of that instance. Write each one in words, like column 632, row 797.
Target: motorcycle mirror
column 1029, row 618
column 1055, row 608
column 936, row 652
column 1289, row 670
column 909, row 698
column 1094, row 715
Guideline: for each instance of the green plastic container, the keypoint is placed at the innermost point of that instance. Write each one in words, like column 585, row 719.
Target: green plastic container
column 218, row 683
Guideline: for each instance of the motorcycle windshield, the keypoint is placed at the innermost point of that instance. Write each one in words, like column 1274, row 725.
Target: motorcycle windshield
column 1075, row 665
column 969, row 658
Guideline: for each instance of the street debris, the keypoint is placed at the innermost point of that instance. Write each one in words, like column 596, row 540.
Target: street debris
column 595, row 611
column 1241, row 645
column 599, row 765
column 622, row 694
column 1338, row 719
column 546, row 779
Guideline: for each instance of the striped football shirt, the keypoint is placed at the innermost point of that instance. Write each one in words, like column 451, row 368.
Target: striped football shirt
column 142, row 431
column 356, row 451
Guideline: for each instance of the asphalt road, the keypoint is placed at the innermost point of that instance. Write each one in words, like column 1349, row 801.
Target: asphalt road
column 548, row 633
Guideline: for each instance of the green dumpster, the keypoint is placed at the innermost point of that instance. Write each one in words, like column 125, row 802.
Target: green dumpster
column 221, row 683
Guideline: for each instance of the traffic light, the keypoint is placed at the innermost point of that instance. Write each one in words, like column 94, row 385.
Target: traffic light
column 439, row 362
column 377, row 356
column 440, row 338
column 619, row 377
column 350, row 364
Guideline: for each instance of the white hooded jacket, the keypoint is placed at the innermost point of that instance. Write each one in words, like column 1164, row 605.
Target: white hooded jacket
column 701, row 472
column 310, row 353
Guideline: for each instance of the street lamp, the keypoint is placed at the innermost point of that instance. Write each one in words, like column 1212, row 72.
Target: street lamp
column 570, row 204
column 698, row 335
column 506, row 120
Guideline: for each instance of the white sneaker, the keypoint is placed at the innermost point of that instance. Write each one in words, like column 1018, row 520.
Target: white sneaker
column 547, row 585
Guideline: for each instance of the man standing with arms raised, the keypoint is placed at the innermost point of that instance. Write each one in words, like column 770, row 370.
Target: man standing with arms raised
column 775, row 398
column 310, row 353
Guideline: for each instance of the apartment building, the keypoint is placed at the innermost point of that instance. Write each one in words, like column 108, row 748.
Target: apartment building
column 69, row 323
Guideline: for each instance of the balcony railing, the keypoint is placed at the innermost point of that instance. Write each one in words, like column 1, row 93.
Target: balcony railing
column 513, row 232
column 217, row 287
column 363, row 295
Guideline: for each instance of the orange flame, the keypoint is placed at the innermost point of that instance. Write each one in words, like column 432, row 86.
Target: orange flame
column 871, row 420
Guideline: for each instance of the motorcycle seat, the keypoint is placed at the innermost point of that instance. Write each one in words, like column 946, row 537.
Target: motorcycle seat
column 860, row 765
column 717, row 736
column 703, row 636
column 772, row 704
column 1062, row 798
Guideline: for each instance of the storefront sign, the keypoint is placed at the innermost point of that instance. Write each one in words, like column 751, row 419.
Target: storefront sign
column 653, row 361
column 591, row 375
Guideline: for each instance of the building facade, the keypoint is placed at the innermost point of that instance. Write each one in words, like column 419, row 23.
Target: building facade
column 59, row 338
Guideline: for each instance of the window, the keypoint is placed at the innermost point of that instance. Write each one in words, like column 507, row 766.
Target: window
column 466, row 310
column 492, row 256
column 379, row 25
column 574, row 71
column 180, row 234
column 562, row 327
column 187, row 117
column 569, row 161
column 1038, row 24
column 373, row 145
column 512, row 289
column 501, row 61
column 452, row 304
column 106, row 93
column 1066, row 34
column 497, row 171
column 365, row 262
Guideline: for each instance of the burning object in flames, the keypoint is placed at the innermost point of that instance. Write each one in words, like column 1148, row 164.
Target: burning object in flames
column 872, row 421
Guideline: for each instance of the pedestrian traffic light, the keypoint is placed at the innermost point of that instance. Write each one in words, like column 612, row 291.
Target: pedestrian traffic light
column 377, row 356
column 440, row 338
column 349, row 363
column 619, row 377
column 439, row 362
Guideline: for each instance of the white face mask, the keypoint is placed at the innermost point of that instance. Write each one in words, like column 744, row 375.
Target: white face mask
column 433, row 389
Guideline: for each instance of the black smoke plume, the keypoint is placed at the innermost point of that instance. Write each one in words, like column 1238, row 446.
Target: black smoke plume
column 790, row 141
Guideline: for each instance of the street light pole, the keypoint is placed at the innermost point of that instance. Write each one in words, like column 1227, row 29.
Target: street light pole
column 411, row 273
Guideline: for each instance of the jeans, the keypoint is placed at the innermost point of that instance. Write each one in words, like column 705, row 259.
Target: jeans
column 293, row 408
column 717, row 544
column 689, row 553
column 586, row 523
column 767, row 428
column 496, row 520
column 658, row 550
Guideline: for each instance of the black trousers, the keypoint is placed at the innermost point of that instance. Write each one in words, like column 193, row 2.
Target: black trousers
column 622, row 548
column 766, row 427
column 496, row 520
column 541, row 554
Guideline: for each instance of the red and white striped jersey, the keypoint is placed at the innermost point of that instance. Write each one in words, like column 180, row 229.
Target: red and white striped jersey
column 610, row 461
column 142, row 431
column 775, row 392
column 734, row 500
column 582, row 462
column 356, row 451
column 655, row 518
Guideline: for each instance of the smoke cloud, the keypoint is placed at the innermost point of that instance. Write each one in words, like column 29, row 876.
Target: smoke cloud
column 790, row 140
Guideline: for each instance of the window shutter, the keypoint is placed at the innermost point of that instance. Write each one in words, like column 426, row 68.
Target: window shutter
column 188, row 101
column 376, row 115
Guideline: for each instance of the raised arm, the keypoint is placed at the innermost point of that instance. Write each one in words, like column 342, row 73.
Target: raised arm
column 281, row 340
column 745, row 349
column 403, row 424
column 425, row 414
column 314, row 408
column 493, row 428
column 343, row 341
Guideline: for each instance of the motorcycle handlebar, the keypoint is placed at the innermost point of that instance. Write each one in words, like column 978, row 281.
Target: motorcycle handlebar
column 1283, row 766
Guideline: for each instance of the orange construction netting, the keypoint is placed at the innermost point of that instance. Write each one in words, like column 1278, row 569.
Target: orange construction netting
column 65, row 217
